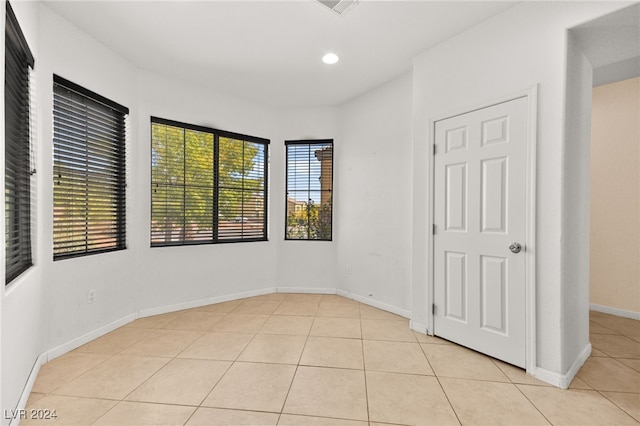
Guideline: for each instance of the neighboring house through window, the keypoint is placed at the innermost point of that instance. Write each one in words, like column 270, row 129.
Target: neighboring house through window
column 18, row 154
column 89, row 172
column 309, row 190
column 207, row 185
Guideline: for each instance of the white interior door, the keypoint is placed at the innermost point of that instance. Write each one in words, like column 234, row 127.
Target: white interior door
column 479, row 217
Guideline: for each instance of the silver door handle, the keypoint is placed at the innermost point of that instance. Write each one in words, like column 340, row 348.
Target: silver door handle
column 515, row 247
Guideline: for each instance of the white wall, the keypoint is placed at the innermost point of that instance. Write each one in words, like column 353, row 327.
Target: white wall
column 615, row 196
column 303, row 264
column 23, row 303
column 575, row 209
column 373, row 209
column 511, row 52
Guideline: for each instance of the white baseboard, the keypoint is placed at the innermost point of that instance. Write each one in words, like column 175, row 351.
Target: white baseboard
column 203, row 302
column 563, row 381
column 420, row 328
column 24, row 397
column 615, row 311
column 86, row 338
column 306, row 290
column 376, row 304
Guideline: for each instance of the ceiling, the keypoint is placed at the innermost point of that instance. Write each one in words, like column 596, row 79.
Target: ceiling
column 270, row 52
column 611, row 44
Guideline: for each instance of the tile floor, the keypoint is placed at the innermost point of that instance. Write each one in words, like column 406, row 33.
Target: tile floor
column 292, row 359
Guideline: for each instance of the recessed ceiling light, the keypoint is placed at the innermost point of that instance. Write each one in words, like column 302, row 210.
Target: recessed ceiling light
column 330, row 58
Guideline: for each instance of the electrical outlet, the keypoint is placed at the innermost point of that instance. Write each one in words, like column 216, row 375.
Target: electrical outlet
column 92, row 296
column 348, row 269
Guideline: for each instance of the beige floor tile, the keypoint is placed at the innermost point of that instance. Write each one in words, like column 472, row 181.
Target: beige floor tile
column 575, row 407
column 116, row 341
column 155, row 321
column 336, row 327
column 616, row 346
column 626, row 326
column 338, row 310
column 303, row 298
column 286, row 324
column 595, row 328
column 387, row 330
column 295, row 420
column 517, row 375
column 483, row 403
column 241, row 323
column 407, row 399
column 250, row 386
column 596, row 314
column 34, row 397
column 336, row 299
column 65, row 368
column 629, row 402
column 68, row 410
column 220, row 308
column 608, row 374
column 333, row 352
column 163, row 343
column 195, row 320
column 297, row 308
column 271, row 297
column 459, row 362
column 263, row 307
column 115, row 378
column 217, row 416
column 595, row 352
column 217, row 346
column 424, row 338
column 633, row 363
column 181, row 382
column 328, row 392
column 369, row 312
column 578, row 383
column 278, row 349
column 143, row 414
column 395, row 357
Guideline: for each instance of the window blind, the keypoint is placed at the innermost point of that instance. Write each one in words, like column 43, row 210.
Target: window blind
column 18, row 63
column 309, row 190
column 207, row 186
column 88, row 172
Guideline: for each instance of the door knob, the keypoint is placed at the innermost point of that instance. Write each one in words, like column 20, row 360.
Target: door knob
column 515, row 247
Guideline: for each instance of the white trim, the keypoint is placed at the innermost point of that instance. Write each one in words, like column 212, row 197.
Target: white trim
column 203, row 302
column 306, row 290
column 86, row 338
column 418, row 327
column 615, row 311
column 530, row 215
column 530, row 233
column 24, row 397
column 376, row 304
column 563, row 381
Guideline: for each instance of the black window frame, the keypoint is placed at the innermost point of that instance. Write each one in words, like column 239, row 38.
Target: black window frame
column 216, row 237
column 314, row 146
column 101, row 173
column 19, row 62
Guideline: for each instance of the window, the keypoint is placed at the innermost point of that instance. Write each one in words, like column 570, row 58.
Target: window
column 207, row 185
column 88, row 172
column 309, row 190
column 18, row 167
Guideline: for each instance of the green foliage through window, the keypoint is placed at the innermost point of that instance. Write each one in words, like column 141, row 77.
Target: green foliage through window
column 207, row 186
column 309, row 190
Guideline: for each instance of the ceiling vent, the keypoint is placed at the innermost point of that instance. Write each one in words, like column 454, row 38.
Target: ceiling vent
column 338, row 6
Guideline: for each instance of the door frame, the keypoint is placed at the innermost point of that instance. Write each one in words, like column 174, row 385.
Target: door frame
column 530, row 215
